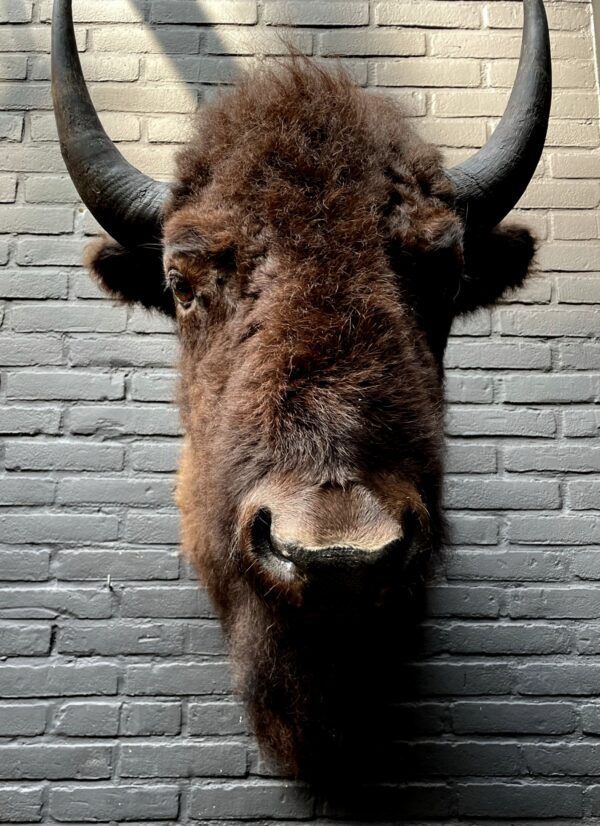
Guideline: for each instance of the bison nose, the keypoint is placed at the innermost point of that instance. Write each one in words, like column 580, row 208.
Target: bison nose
column 326, row 528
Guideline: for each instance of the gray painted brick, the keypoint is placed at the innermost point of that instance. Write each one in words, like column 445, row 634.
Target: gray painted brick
column 87, row 719
column 29, row 420
column 511, row 566
column 538, row 801
column 570, row 679
column 470, row 458
column 579, row 423
column 249, row 801
column 114, row 638
column 25, row 565
column 63, row 455
column 123, row 351
column 21, row 351
column 20, row 804
column 462, row 421
column 71, row 386
column 92, row 803
column 85, row 603
column 40, row 528
column 220, row 718
column 22, row 719
column 114, row 420
column 55, row 762
column 111, row 490
column 189, row 760
column 501, row 494
column 57, row 680
column 126, row 565
column 554, row 602
column 516, row 718
column 24, row 640
column 586, row 564
column 514, row 638
column 572, row 458
column 86, row 318
column 182, row 601
column 155, row 457
column 316, row 12
column 178, row 679
column 140, row 719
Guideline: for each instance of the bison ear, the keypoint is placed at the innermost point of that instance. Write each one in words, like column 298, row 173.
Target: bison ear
column 134, row 276
column 495, row 262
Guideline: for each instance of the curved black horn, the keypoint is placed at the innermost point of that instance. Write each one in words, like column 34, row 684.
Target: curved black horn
column 126, row 203
column 489, row 184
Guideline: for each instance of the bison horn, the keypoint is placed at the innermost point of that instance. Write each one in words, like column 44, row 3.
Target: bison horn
column 126, row 203
column 489, row 184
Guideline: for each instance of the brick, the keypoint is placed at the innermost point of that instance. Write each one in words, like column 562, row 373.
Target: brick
column 584, row 494
column 462, row 421
column 557, row 389
column 560, row 530
column 154, row 387
column 588, row 643
column 566, row 74
column 111, row 490
column 97, row 11
column 167, row 602
column 216, row 718
column 554, row 602
column 358, row 42
column 570, row 257
column 427, row 72
column 71, row 386
column 548, row 322
column 137, row 39
column 570, row 759
column 22, row 719
column 510, row 639
column 578, row 290
column 472, row 530
column 316, row 13
column 123, row 565
column 116, row 802
column 61, row 454
column 470, row 458
column 18, row 490
column 476, row 44
column 507, row 566
column 580, row 356
column 520, row 800
column 450, row 679
column 36, row 220
column 11, row 127
column 85, row 603
column 20, row 640
column 251, row 41
column 123, row 351
column 29, row 420
column 465, row 389
column 250, row 801
column 424, row 800
column 16, row 11
column 459, row 601
column 140, row 719
column 426, row 14
column 456, row 132
column 498, row 356
column 8, row 188
column 574, row 165
column 114, row 421
column 57, row 680
column 87, row 719
column 581, row 423
column 178, row 679
column 63, row 318
column 114, row 638
column 241, row 12
column 154, row 457
column 499, row 15
column 574, row 458
column 576, row 226
column 55, row 528
column 189, row 760
column 516, row 718
column 29, row 762
column 35, row 284
column 590, row 719
column 501, row 494
column 206, row 639
column 21, row 804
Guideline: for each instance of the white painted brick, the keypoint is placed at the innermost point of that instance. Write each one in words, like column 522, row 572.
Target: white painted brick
column 250, row 41
column 316, row 12
column 580, row 165
column 578, row 290
column 242, row 12
column 8, row 188
column 476, row 44
column 13, row 67
column 16, row 11
column 142, row 40
column 427, row 72
column 575, row 226
column 439, row 15
column 11, row 127
column 567, row 74
column 98, row 11
column 356, row 42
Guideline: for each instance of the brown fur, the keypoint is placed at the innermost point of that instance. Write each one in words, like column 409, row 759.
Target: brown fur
column 319, row 235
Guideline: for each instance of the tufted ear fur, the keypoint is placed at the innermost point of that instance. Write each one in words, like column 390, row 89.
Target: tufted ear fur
column 133, row 276
column 494, row 263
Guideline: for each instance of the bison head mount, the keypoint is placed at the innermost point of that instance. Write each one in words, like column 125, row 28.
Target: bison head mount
column 313, row 252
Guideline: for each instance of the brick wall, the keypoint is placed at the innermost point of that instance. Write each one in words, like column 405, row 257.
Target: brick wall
column 116, row 703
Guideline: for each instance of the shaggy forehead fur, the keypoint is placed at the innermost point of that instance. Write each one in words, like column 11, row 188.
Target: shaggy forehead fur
column 327, row 167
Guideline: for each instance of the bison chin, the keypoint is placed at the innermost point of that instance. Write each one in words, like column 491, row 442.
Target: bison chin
column 320, row 685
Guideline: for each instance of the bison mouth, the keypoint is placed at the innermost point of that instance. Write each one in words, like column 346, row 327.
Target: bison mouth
column 327, row 577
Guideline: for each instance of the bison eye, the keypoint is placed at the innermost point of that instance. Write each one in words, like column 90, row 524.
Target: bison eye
column 182, row 289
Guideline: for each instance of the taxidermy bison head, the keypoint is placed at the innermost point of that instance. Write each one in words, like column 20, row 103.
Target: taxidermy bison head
column 313, row 253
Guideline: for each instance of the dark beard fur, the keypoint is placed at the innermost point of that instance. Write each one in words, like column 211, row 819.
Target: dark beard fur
column 320, row 685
